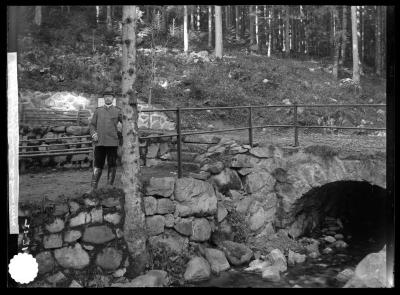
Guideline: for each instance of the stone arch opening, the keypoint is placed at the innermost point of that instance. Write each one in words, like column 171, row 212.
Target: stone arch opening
column 356, row 208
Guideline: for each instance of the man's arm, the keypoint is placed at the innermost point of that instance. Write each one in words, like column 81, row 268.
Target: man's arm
column 93, row 124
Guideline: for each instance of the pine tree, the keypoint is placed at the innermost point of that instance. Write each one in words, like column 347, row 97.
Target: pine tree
column 218, row 32
column 356, row 69
column 185, row 30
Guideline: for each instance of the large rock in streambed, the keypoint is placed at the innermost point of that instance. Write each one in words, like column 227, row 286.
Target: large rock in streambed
column 153, row 278
column 217, row 260
column 277, row 259
column 198, row 269
column 258, row 265
column 236, row 253
column 370, row 272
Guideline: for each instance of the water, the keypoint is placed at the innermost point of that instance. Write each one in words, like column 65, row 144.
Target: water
column 314, row 273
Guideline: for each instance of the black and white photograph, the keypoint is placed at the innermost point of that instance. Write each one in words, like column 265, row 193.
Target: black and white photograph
column 198, row 146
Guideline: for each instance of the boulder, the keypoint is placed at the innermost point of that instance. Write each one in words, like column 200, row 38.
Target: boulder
column 345, row 275
column 217, row 260
column 257, row 265
column 221, row 212
column 257, row 219
column 213, row 168
column 226, row 180
column 72, row 235
column 165, row 206
column 152, row 150
column 153, row 278
column 113, row 218
column 169, row 220
column 155, row 225
column 187, row 188
column 259, row 179
column 277, row 259
column 109, row 258
column 236, row 253
column 98, row 234
column 340, row 244
column 150, row 205
column 222, row 233
column 45, row 262
column 271, row 273
column 56, row 226
column 295, row 258
column 52, row 241
column 81, row 218
column 329, row 239
column 198, row 269
column 242, row 161
column 184, row 226
column 72, row 257
column 201, row 230
column 56, row 278
column 370, row 272
column 160, row 186
column 74, row 130
column 263, row 151
column 171, row 241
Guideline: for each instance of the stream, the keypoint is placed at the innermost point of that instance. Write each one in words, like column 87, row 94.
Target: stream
column 320, row 272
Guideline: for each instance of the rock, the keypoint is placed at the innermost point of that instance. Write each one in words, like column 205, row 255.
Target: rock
column 370, row 272
column 56, row 278
column 245, row 171
column 226, row 180
column 263, row 152
column 258, row 265
column 327, row 250
column 243, row 205
column 339, row 237
column 81, row 218
column 171, row 241
column 169, row 220
column 98, row 234
column 52, row 241
column 153, row 278
column 195, row 197
column 73, row 207
column 235, row 195
column 155, row 225
column 271, row 273
column 202, row 175
column 257, row 180
column 184, row 226
column 74, row 130
column 165, row 206
column 110, row 202
column 222, row 233
column 313, row 255
column 96, row 215
column 45, row 262
column 150, row 205
column 109, row 258
column 217, row 260
column 277, row 259
column 295, row 258
column 201, row 230
column 257, row 220
column 56, row 226
column 119, row 272
column 113, row 218
column 88, row 247
column 60, row 209
column 99, row 281
column 72, row 257
column 197, row 269
column 221, row 212
column 345, row 275
column 152, row 150
column 242, row 161
column 75, row 284
column 213, row 168
column 329, row 239
column 340, row 244
column 72, row 235
column 90, row 202
column 236, row 253
column 161, row 186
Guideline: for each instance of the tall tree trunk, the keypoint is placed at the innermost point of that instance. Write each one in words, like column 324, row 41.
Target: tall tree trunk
column 251, row 23
column 336, row 44
column 218, row 32
column 209, row 26
column 287, row 31
column 164, row 24
column 38, row 15
column 198, row 17
column 237, row 21
column 270, row 33
column 378, row 68
column 356, row 69
column 243, row 23
column 134, row 226
column 109, row 22
column 383, row 38
column 185, row 29
column 362, row 32
column 256, row 25
column 192, row 18
column 227, row 17
column 344, row 36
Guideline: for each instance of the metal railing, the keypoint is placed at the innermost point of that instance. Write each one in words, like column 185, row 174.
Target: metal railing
column 250, row 126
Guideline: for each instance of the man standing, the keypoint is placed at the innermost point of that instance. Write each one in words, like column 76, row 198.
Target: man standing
column 105, row 135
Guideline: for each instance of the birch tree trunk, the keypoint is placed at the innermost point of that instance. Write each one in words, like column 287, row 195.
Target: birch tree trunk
column 356, row 69
column 38, row 15
column 344, row 36
column 237, row 21
column 270, row 30
column 218, row 32
column 256, row 25
column 109, row 23
column 287, row 31
column 185, row 29
column 251, row 24
column 198, row 17
column 192, row 18
column 209, row 26
column 134, row 226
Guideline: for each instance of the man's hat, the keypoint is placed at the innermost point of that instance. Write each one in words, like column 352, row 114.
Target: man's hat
column 108, row 91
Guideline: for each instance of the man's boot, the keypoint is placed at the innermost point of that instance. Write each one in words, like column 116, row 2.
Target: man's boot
column 95, row 177
column 111, row 175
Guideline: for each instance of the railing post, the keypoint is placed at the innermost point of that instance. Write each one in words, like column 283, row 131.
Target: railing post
column 179, row 141
column 296, row 130
column 250, row 127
